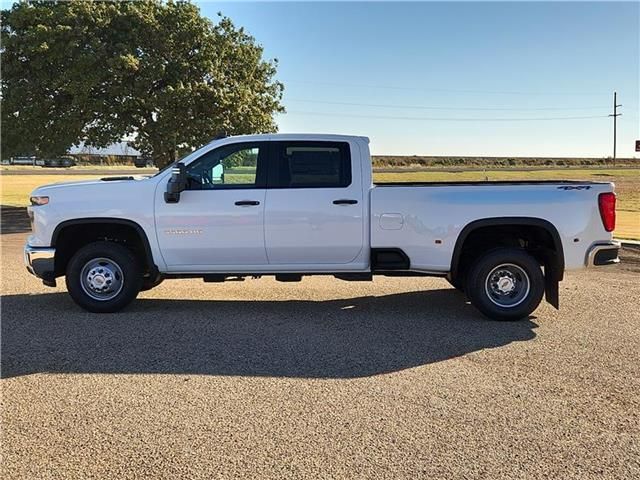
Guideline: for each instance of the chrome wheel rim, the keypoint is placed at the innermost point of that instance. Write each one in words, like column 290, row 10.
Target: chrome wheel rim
column 102, row 279
column 507, row 285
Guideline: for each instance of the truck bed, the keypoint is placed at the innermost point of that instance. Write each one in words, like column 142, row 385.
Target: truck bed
column 426, row 222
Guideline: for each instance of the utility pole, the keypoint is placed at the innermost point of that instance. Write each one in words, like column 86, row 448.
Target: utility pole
column 615, row 116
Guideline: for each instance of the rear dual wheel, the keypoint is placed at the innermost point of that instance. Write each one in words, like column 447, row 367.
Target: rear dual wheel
column 151, row 282
column 456, row 283
column 505, row 284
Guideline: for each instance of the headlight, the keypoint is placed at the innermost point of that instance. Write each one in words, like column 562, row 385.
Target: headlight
column 35, row 201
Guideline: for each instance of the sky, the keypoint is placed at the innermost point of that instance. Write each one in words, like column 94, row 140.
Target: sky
column 479, row 78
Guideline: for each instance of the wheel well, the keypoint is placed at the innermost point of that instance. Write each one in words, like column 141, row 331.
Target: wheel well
column 537, row 237
column 70, row 236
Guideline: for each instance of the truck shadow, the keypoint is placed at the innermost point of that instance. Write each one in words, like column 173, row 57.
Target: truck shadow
column 348, row 338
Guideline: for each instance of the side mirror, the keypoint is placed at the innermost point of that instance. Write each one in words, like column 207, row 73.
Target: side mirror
column 177, row 183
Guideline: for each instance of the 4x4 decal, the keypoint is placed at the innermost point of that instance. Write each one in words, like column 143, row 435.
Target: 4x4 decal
column 575, row 187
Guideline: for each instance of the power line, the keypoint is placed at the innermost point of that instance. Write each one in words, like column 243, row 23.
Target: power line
column 430, row 89
column 445, row 119
column 421, row 107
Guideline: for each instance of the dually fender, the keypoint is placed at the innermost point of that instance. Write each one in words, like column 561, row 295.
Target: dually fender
column 554, row 264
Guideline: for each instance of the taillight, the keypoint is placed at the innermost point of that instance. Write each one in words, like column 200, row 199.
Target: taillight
column 607, row 205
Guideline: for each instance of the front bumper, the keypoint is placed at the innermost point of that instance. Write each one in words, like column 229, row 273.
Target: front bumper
column 603, row 254
column 40, row 261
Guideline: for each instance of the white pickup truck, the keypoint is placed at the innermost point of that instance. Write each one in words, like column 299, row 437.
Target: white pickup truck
column 295, row 205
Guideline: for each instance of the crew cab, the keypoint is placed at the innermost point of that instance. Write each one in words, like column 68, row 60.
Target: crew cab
column 295, row 205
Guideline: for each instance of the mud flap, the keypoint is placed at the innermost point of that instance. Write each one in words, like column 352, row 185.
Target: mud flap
column 552, row 287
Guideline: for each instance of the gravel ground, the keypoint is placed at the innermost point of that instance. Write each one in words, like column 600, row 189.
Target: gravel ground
column 399, row 378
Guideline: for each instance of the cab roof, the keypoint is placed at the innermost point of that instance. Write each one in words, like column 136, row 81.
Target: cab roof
column 296, row 136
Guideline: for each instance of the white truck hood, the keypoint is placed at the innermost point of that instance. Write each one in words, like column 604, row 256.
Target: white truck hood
column 97, row 183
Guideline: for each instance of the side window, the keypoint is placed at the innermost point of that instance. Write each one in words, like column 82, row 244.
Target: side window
column 313, row 164
column 230, row 166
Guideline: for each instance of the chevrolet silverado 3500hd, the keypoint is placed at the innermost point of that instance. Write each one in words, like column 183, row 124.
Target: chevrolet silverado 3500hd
column 295, row 205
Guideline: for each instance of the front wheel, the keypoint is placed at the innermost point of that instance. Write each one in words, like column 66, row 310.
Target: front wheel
column 103, row 277
column 505, row 284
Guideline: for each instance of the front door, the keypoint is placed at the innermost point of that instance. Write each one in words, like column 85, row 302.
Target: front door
column 218, row 222
column 315, row 208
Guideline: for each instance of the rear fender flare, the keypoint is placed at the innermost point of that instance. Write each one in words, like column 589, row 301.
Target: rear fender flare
column 554, row 264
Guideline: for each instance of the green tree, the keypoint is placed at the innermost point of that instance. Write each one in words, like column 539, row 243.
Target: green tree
column 157, row 73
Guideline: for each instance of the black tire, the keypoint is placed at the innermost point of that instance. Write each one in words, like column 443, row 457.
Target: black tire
column 456, row 283
column 119, row 263
column 151, row 282
column 493, row 275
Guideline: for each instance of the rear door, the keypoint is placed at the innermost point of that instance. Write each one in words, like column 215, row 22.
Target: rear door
column 314, row 204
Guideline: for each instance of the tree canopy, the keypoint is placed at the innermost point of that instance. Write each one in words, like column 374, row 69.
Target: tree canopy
column 159, row 74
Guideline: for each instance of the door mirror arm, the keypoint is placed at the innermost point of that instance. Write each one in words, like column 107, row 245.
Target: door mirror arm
column 177, row 183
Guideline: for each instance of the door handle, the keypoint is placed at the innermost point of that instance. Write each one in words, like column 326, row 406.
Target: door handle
column 247, row 203
column 345, row 201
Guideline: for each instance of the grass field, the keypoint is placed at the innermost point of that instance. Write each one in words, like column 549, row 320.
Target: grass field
column 382, row 161
column 15, row 189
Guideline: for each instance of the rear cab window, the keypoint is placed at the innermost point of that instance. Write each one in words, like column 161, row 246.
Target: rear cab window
column 311, row 164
